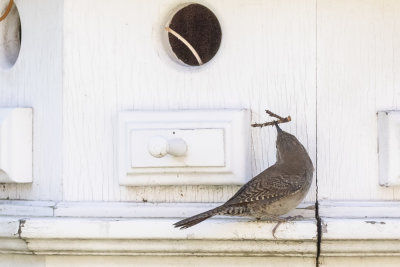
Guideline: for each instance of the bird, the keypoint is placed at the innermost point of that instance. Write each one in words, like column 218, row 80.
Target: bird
column 273, row 192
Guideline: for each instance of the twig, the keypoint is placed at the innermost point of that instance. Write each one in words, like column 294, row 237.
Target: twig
column 273, row 114
column 8, row 9
column 185, row 42
column 280, row 120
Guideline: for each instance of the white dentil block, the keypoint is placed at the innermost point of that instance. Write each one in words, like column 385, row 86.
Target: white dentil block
column 15, row 145
column 389, row 147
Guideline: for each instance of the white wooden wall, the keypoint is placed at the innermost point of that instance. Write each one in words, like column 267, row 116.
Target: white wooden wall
column 326, row 63
column 113, row 61
column 358, row 71
column 36, row 80
column 330, row 64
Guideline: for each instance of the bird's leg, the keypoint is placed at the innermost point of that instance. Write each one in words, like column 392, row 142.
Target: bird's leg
column 270, row 219
column 274, row 229
column 273, row 219
column 281, row 220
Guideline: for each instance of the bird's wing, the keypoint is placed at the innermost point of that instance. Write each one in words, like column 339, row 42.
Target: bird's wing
column 269, row 186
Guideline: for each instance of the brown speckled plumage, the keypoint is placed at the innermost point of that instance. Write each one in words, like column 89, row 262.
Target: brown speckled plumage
column 273, row 192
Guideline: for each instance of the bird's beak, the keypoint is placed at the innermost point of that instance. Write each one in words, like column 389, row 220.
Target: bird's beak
column 278, row 129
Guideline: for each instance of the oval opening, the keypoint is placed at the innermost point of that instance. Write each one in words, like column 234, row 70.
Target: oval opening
column 10, row 35
column 194, row 34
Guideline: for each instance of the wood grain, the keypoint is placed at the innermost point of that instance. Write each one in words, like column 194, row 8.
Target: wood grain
column 76, row 95
column 121, row 65
column 358, row 70
column 360, row 261
column 36, row 81
column 151, row 261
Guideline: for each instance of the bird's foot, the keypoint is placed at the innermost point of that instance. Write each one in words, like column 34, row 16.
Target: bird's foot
column 281, row 220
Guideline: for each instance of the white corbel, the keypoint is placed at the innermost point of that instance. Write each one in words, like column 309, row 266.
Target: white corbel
column 15, row 145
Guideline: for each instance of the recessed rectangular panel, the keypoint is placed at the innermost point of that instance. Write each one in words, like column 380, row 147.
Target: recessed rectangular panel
column 217, row 141
column 205, row 148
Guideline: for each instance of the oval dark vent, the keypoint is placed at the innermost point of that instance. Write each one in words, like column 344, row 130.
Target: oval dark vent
column 194, row 34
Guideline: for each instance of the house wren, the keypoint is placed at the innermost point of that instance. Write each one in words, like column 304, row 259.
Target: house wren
column 273, row 192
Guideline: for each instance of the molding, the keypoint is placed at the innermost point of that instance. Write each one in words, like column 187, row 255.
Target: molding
column 150, row 210
column 15, row 145
column 360, row 237
column 68, row 233
column 118, row 209
column 351, row 228
column 364, row 228
column 26, row 208
column 218, row 147
column 156, row 236
column 10, row 240
column 9, row 227
column 359, row 209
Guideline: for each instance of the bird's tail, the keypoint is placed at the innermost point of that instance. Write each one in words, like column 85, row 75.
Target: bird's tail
column 188, row 222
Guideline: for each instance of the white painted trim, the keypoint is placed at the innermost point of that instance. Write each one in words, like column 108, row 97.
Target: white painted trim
column 388, row 147
column 118, row 209
column 26, row 208
column 360, row 237
column 162, row 229
column 360, row 228
column 171, row 247
column 157, row 236
column 100, row 228
column 359, row 209
column 235, row 124
column 149, row 210
column 9, row 227
column 16, row 145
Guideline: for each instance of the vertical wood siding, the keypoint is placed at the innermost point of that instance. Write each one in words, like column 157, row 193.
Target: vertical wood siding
column 114, row 61
column 326, row 63
column 36, row 81
column 358, row 44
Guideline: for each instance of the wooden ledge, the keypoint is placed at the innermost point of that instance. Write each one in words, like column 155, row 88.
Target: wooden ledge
column 147, row 230
column 360, row 228
column 360, row 237
column 98, row 228
column 154, row 236
column 107, row 228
